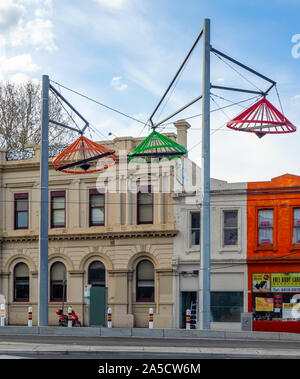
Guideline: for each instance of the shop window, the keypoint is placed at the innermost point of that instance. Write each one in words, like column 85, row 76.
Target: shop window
column 296, row 227
column 58, row 282
column 97, row 205
column 195, row 229
column 21, row 210
column 145, row 205
column 230, row 228
column 145, row 281
column 21, row 282
column 58, row 209
column 276, row 306
column 265, row 226
column 96, row 274
column 226, row 306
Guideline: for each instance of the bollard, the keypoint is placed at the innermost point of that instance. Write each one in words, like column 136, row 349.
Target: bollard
column 70, row 317
column 188, row 319
column 109, row 318
column 150, row 318
column 29, row 316
column 2, row 315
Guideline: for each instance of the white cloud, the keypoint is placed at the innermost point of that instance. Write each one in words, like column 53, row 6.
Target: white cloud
column 10, row 15
column 37, row 32
column 19, row 78
column 296, row 97
column 114, row 4
column 21, row 63
column 116, row 83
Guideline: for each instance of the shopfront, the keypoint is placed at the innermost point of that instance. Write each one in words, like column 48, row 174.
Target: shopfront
column 274, row 297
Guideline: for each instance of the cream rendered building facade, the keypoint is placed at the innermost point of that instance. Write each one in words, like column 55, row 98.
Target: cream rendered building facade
column 120, row 244
column 228, row 268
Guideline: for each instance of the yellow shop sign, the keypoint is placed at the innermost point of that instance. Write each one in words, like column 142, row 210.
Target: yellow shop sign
column 285, row 280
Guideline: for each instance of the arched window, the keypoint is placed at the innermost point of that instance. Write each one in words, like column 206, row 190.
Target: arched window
column 58, row 282
column 96, row 274
column 21, row 282
column 145, row 281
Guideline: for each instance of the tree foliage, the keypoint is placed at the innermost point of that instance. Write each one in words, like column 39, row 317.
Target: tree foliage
column 20, row 119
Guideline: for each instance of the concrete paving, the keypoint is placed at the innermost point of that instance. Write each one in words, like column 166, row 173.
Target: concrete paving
column 9, row 348
column 150, row 333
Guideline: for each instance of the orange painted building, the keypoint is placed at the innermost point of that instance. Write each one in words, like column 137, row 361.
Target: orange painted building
column 273, row 253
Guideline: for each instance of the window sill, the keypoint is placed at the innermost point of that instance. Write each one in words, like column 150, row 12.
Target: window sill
column 265, row 248
column 230, row 249
column 194, row 249
column 295, row 247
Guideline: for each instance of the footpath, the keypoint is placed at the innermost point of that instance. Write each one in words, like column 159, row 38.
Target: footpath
column 280, row 340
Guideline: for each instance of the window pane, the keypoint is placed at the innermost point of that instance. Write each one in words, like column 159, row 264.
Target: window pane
column 297, row 217
column 145, row 198
column 296, row 235
column 230, row 218
column 58, row 292
column 145, row 213
column 145, row 271
column 21, row 270
column 58, row 202
column 97, row 200
column 265, row 235
column 145, row 281
column 21, row 204
column 230, row 236
column 21, row 281
column 195, row 237
column 97, row 216
column 97, row 274
column 195, row 216
column 226, row 306
column 265, row 218
column 58, row 217
column 22, row 290
column 145, row 293
column 22, row 220
column 58, row 271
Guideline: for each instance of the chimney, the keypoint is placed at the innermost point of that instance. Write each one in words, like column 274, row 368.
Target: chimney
column 182, row 126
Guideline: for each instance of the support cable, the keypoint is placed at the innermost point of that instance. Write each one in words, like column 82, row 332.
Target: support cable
column 99, row 103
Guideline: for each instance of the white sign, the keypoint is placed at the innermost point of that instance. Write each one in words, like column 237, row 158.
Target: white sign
column 87, row 292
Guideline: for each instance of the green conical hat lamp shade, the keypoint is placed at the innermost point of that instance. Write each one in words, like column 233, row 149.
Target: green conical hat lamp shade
column 157, row 146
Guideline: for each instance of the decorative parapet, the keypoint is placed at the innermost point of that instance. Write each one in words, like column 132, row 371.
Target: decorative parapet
column 20, row 154
column 29, row 152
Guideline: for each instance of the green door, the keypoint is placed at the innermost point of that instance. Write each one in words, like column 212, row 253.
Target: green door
column 98, row 306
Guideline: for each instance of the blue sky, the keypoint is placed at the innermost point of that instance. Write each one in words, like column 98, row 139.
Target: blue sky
column 124, row 53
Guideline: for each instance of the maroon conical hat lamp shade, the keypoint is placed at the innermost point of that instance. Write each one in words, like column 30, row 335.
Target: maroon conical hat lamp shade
column 84, row 156
column 262, row 118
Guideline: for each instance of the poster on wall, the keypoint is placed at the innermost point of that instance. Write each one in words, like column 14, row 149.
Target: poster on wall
column 261, row 282
column 288, row 282
column 264, row 304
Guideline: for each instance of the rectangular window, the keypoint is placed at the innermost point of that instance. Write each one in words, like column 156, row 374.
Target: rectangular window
column 226, row 306
column 97, row 204
column 195, row 229
column 230, row 228
column 58, row 209
column 296, row 226
column 265, row 226
column 21, row 210
column 145, row 205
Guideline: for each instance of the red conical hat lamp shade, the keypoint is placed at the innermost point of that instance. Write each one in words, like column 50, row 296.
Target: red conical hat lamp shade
column 83, row 157
column 262, row 118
